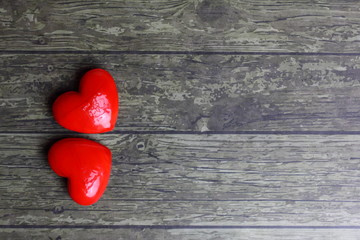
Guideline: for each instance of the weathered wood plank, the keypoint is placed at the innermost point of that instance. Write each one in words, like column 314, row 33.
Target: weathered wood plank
column 190, row 25
column 192, row 180
column 191, row 92
column 180, row 234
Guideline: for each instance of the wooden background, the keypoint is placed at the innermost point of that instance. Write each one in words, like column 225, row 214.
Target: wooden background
column 238, row 119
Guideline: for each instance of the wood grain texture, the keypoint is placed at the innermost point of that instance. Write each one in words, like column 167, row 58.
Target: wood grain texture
column 181, row 25
column 191, row 92
column 281, row 76
column 180, row 234
column 191, row 180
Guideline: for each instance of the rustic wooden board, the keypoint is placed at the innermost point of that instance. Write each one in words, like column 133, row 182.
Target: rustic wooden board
column 191, row 92
column 239, row 119
column 180, row 234
column 181, row 25
column 187, row 180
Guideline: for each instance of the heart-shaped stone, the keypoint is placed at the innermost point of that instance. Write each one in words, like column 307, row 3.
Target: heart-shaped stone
column 93, row 109
column 86, row 164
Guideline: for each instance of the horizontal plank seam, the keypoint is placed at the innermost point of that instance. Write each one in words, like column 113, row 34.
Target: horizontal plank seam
column 172, row 227
column 108, row 52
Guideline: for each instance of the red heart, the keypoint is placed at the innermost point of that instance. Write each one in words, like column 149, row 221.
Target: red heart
column 92, row 110
column 86, row 164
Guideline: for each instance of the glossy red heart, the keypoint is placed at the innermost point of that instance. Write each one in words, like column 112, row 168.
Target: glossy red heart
column 86, row 164
column 93, row 109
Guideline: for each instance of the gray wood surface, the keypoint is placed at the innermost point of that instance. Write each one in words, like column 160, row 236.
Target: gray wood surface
column 192, row 92
column 180, row 234
column 215, row 167
column 175, row 182
column 238, row 119
column 181, row 25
